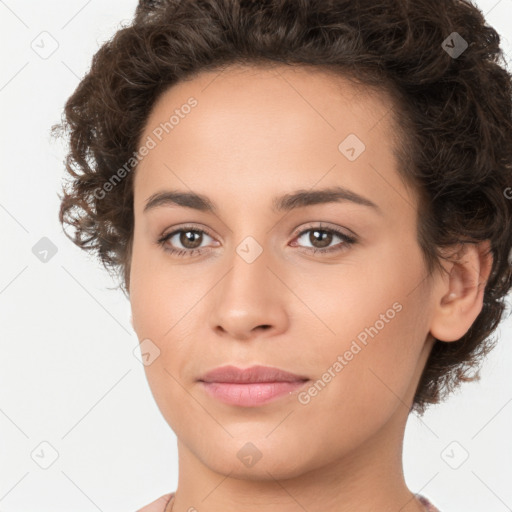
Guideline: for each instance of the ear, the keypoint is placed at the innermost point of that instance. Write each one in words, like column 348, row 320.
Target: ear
column 459, row 298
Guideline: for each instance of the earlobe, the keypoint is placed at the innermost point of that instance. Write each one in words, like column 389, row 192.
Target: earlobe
column 460, row 296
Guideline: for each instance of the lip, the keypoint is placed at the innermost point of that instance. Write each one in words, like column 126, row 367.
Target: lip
column 250, row 387
column 232, row 374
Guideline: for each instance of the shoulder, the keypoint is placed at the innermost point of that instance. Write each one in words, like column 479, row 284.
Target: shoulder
column 157, row 505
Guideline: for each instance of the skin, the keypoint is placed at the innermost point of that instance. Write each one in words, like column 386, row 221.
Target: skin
column 257, row 133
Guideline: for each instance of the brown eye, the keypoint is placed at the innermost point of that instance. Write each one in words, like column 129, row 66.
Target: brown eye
column 184, row 239
column 321, row 238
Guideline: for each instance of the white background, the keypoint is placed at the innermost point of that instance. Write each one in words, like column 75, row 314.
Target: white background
column 68, row 376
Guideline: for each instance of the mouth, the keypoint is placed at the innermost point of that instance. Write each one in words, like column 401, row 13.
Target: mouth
column 250, row 387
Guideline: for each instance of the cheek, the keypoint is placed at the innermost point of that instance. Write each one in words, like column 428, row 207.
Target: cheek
column 364, row 373
column 157, row 296
column 159, row 313
column 162, row 306
column 377, row 320
column 377, row 359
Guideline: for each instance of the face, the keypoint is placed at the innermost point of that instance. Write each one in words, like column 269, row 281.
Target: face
column 330, row 287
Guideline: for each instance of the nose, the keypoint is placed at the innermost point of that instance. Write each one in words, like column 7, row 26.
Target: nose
column 250, row 300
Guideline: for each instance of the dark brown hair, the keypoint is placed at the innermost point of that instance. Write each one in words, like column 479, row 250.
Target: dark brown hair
column 453, row 115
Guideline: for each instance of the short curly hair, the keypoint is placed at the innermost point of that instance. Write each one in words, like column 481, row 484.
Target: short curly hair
column 452, row 111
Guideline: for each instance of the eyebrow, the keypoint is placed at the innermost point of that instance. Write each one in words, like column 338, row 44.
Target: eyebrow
column 286, row 202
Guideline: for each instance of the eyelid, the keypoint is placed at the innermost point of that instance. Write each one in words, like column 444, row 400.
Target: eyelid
column 185, row 227
column 323, row 225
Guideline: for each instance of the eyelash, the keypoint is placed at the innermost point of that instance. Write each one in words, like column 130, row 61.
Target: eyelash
column 347, row 240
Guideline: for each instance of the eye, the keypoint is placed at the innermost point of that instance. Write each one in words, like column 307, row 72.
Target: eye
column 321, row 237
column 188, row 236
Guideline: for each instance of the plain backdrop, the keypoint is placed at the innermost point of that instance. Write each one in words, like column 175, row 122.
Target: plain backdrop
column 79, row 428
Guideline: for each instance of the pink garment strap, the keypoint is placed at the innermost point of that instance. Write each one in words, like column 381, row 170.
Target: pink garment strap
column 426, row 504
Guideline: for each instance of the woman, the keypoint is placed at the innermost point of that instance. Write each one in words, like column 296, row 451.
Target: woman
column 306, row 202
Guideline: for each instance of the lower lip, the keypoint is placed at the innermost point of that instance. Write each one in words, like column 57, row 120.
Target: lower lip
column 250, row 395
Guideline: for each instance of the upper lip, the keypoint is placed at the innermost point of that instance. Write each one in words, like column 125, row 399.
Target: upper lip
column 252, row 374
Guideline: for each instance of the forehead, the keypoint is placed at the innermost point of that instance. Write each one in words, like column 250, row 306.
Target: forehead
column 270, row 97
column 268, row 126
